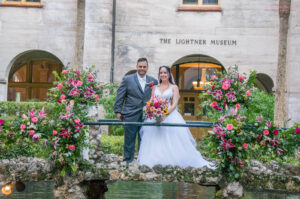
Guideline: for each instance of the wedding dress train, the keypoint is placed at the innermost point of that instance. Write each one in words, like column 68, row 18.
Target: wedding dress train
column 169, row 145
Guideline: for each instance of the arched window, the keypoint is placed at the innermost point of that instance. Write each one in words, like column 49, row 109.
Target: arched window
column 32, row 75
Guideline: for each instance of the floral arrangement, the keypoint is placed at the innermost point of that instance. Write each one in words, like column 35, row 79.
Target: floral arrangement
column 78, row 85
column 75, row 90
column 228, row 97
column 156, row 108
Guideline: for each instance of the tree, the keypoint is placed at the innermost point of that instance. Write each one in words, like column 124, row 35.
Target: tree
column 280, row 114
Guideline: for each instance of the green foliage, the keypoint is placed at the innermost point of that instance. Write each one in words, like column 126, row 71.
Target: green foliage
column 112, row 144
column 13, row 110
column 108, row 102
column 262, row 105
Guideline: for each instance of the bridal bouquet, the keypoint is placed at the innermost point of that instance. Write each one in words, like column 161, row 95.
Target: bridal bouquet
column 156, row 108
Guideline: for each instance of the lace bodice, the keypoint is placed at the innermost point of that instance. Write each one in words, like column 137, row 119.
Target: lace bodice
column 167, row 94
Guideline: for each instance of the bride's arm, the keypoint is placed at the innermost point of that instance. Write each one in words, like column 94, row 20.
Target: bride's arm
column 152, row 92
column 175, row 99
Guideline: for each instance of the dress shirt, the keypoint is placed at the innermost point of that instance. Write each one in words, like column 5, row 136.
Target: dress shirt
column 142, row 81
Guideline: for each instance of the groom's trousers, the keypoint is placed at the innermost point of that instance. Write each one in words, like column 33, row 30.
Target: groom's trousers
column 129, row 140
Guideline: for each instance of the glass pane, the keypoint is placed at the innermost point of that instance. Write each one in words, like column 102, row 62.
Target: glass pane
column 191, row 76
column 192, row 99
column 16, row 94
column 189, row 109
column 39, row 93
column 36, row 1
column 186, row 99
column 193, row 2
column 210, row 2
column 42, row 71
column 19, row 75
column 210, row 72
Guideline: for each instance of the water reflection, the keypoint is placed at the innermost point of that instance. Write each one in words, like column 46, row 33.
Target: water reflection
column 33, row 190
column 145, row 190
column 158, row 190
column 253, row 194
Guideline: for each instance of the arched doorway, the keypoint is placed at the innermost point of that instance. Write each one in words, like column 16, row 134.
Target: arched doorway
column 191, row 74
column 31, row 75
column 264, row 82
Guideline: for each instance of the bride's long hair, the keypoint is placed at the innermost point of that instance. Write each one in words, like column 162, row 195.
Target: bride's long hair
column 171, row 79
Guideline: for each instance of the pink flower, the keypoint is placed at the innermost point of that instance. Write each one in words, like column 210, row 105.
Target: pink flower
column 97, row 97
column 23, row 126
column 151, row 84
column 42, row 114
column 245, row 146
column 64, row 71
column 58, row 101
column 298, row 153
column 77, row 121
column 54, row 153
column 237, row 106
column 1, row 122
column 227, row 144
column 79, row 83
column 90, row 76
column 268, row 123
column 213, row 77
column 214, row 104
column 266, row 132
column 297, row 131
column 54, row 132
column 36, row 137
column 248, row 93
column 62, row 97
column 229, row 127
column 242, row 78
column 242, row 163
column 31, row 132
column 225, row 86
column 263, row 143
column 259, row 118
column 72, row 147
column 34, row 119
column 208, row 91
column 275, row 132
column 59, row 85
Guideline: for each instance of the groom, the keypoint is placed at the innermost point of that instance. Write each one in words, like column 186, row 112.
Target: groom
column 132, row 95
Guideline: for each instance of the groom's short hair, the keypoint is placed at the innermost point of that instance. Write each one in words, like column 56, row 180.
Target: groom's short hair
column 142, row 59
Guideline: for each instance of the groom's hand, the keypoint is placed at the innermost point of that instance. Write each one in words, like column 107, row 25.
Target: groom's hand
column 119, row 116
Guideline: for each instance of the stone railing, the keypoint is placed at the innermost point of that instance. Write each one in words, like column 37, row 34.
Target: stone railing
column 91, row 183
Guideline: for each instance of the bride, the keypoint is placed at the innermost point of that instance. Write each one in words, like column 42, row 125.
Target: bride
column 169, row 145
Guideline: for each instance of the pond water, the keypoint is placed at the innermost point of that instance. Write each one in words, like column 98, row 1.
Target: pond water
column 145, row 190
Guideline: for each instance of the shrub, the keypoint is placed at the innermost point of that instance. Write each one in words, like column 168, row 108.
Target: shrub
column 112, row 144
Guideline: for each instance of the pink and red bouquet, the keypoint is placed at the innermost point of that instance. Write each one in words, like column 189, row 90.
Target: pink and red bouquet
column 156, row 108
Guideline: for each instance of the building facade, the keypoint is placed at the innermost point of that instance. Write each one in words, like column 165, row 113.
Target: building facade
column 191, row 36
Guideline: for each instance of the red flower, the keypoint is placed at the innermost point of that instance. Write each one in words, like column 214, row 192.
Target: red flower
column 229, row 127
column 23, row 126
column 31, row 132
column 90, row 76
column 214, row 104
column 242, row 163
column 1, row 122
column 72, row 147
column 150, row 84
column 275, row 132
column 245, row 146
column 54, row 153
column 297, row 131
column 263, row 143
column 248, row 93
column 227, row 144
column 237, row 106
column 54, row 132
column 225, row 86
column 34, row 119
column 266, row 132
column 62, row 97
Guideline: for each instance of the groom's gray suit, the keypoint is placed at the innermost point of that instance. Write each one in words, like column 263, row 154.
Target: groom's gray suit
column 130, row 101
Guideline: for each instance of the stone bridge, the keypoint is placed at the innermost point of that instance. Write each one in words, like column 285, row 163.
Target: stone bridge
column 91, row 181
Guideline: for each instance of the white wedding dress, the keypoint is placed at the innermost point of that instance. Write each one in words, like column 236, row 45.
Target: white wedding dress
column 169, row 145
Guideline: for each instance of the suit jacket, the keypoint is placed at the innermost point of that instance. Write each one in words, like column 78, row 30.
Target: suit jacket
column 131, row 99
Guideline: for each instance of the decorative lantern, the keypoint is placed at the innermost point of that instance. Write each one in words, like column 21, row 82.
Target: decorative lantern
column 6, row 189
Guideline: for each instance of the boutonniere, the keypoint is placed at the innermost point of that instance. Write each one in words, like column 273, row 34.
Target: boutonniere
column 150, row 84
